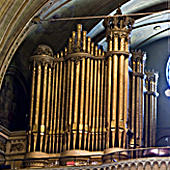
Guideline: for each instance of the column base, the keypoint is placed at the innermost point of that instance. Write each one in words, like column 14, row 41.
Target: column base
column 36, row 160
column 114, row 155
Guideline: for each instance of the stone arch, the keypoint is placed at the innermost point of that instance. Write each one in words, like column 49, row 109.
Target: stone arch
column 126, row 167
column 113, row 168
column 119, row 167
column 107, row 168
column 163, row 165
column 132, row 166
column 148, row 166
column 140, row 166
column 155, row 166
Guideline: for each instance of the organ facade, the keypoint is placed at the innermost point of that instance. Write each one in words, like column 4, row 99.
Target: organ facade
column 86, row 102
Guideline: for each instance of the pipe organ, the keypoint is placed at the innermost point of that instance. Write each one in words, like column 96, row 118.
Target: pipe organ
column 80, row 96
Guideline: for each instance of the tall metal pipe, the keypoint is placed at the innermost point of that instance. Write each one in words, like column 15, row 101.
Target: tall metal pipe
column 42, row 127
column 32, row 106
column 35, row 126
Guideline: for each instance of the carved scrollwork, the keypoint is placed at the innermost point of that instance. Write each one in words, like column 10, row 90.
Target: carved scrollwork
column 43, row 50
column 17, row 147
column 76, row 59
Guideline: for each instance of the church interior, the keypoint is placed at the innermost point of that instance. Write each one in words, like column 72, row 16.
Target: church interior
column 84, row 84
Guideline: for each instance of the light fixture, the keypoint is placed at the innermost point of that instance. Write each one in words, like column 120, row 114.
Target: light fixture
column 157, row 27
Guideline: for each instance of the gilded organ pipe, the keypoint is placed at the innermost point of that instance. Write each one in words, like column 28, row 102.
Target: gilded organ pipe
column 68, row 90
column 90, row 103
column 101, row 105
column 105, row 108
column 55, row 105
column 108, row 100
column 120, row 103
column 42, row 127
column 52, row 110
column 79, row 27
column 98, row 103
column 71, row 104
column 81, row 101
column 125, row 105
column 35, row 126
column 48, row 108
column 59, row 106
column 114, row 98
column 63, row 108
column 76, row 102
column 94, row 104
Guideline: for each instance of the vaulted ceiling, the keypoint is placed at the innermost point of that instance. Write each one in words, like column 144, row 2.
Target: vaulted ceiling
column 24, row 24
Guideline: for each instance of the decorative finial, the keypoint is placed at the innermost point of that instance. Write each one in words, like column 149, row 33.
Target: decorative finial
column 118, row 12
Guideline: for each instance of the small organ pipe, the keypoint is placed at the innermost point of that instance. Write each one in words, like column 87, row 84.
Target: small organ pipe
column 71, row 103
column 125, row 99
column 35, row 126
column 81, row 101
column 114, row 98
column 32, row 106
column 76, row 103
column 63, row 107
column 48, row 108
column 105, row 109
column 42, row 127
column 79, row 27
column 108, row 99
column 52, row 109
column 59, row 106
column 94, row 103
column 88, row 44
column 90, row 102
column 120, row 103
column 87, row 101
column 68, row 90
column 70, row 46
column 55, row 105
column 98, row 103
column 84, row 41
column 101, row 105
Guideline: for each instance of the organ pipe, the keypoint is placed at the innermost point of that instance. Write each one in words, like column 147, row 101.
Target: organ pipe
column 32, row 105
column 85, row 91
column 42, row 127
